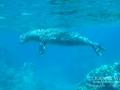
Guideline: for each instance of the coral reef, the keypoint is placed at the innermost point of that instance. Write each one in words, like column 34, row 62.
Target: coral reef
column 24, row 79
column 14, row 79
column 107, row 77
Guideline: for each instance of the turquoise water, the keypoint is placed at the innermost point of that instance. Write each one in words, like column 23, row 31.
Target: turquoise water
column 61, row 67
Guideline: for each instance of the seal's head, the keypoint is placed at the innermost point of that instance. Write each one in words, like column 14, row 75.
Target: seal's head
column 23, row 39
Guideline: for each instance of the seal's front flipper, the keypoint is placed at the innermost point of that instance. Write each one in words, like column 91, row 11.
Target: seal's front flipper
column 98, row 48
column 42, row 48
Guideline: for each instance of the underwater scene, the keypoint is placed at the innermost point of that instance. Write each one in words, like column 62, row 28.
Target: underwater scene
column 59, row 44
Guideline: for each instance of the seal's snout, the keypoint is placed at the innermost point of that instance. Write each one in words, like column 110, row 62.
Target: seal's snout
column 22, row 39
column 20, row 42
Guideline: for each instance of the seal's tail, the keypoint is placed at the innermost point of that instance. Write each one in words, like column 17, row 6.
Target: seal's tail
column 98, row 48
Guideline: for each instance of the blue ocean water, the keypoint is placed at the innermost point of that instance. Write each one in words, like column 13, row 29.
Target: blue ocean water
column 61, row 67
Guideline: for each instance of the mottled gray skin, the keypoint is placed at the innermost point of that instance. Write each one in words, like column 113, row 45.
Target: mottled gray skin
column 59, row 37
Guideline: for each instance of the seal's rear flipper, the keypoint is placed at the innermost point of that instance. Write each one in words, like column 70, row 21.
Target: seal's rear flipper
column 98, row 48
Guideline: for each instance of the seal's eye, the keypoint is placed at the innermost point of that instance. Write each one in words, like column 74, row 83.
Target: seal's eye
column 38, row 31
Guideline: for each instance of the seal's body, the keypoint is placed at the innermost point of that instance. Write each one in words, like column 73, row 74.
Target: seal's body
column 59, row 37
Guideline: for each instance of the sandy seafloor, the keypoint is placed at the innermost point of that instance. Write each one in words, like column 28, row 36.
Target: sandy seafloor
column 61, row 67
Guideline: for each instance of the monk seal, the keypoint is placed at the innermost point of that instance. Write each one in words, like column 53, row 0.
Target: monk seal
column 59, row 37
